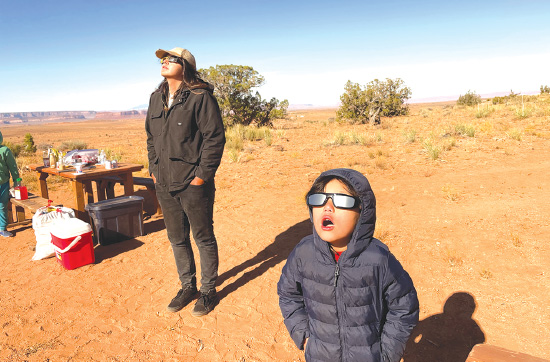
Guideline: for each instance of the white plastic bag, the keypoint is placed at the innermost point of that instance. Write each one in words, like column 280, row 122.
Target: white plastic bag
column 41, row 221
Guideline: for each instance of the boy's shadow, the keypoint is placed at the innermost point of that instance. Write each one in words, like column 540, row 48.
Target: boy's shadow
column 446, row 337
column 272, row 255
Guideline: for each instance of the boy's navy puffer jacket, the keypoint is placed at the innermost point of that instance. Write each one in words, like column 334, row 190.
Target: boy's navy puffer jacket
column 361, row 308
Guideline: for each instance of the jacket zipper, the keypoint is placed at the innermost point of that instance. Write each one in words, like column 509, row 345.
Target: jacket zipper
column 336, row 275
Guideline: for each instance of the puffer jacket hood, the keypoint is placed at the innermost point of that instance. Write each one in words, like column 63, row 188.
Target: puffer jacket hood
column 364, row 230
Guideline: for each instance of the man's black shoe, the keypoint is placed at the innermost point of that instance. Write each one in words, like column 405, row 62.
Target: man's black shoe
column 206, row 303
column 184, row 297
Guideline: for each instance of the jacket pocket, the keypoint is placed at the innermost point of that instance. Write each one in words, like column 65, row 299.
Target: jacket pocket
column 180, row 171
column 185, row 136
column 182, row 124
column 156, row 123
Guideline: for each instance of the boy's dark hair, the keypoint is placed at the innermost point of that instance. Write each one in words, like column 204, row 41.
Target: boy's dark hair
column 321, row 182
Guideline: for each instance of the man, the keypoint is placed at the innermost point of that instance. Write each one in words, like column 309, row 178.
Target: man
column 185, row 141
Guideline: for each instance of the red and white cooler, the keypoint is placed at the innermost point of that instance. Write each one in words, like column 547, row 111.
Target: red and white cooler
column 72, row 241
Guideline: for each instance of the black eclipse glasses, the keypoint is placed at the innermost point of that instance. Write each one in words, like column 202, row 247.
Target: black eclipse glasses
column 171, row 59
column 341, row 201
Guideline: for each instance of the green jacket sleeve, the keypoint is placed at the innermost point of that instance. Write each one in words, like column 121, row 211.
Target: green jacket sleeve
column 12, row 165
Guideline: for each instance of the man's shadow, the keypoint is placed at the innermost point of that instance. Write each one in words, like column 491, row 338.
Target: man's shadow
column 266, row 259
column 446, row 337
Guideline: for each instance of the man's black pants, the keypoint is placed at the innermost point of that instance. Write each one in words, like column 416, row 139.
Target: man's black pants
column 185, row 210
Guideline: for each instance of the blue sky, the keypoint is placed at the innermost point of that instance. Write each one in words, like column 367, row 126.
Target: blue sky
column 99, row 55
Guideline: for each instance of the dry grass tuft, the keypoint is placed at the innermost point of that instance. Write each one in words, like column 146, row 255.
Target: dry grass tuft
column 450, row 192
column 452, row 257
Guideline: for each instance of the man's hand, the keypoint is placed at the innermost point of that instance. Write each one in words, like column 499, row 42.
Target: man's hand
column 305, row 343
column 154, row 178
column 197, row 181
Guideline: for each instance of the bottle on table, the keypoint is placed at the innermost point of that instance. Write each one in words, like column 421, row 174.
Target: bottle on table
column 53, row 159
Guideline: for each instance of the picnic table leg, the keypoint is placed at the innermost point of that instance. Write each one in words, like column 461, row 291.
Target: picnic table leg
column 100, row 187
column 128, row 181
column 89, row 191
column 43, row 185
column 20, row 213
column 10, row 212
column 78, row 190
column 110, row 189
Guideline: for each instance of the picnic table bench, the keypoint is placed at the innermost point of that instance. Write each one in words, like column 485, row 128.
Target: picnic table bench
column 488, row 353
column 106, row 186
column 32, row 204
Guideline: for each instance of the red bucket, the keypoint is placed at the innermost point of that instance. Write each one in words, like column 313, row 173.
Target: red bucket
column 72, row 241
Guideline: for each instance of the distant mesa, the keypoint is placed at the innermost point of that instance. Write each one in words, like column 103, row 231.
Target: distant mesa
column 61, row 116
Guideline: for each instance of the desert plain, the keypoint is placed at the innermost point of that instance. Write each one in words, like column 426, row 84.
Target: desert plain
column 463, row 201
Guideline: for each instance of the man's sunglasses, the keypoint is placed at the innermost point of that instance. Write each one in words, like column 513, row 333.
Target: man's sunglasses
column 171, row 59
column 341, row 201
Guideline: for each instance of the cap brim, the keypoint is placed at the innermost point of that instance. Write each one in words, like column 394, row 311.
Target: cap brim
column 161, row 53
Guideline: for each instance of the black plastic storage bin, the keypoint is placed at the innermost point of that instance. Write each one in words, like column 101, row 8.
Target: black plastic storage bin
column 116, row 219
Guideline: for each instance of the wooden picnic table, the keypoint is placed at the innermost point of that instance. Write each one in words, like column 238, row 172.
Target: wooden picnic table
column 82, row 183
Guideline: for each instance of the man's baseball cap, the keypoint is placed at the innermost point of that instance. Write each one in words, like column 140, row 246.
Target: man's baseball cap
column 177, row 52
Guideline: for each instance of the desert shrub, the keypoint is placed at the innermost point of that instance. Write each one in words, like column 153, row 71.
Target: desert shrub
column 233, row 85
column 44, row 146
column 111, row 154
column 514, row 134
column 460, row 129
column 234, row 155
column 339, row 139
column 425, row 113
column 505, row 99
column 256, row 133
column 28, row 142
column 236, row 135
column 449, row 144
column 268, row 138
column 544, row 89
column 522, row 112
column 348, row 138
column 16, row 149
column 73, row 145
column 498, row 100
column 378, row 98
column 469, row 99
column 356, row 138
column 409, row 135
column 431, row 149
column 484, row 111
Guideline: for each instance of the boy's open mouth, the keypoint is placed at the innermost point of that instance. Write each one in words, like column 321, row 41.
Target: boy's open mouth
column 327, row 224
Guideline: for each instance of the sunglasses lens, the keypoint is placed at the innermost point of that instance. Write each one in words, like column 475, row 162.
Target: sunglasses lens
column 170, row 59
column 316, row 199
column 343, row 201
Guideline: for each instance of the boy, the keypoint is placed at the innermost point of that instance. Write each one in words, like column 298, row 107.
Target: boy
column 343, row 295
column 7, row 166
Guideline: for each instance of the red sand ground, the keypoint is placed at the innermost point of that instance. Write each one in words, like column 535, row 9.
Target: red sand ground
column 472, row 224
